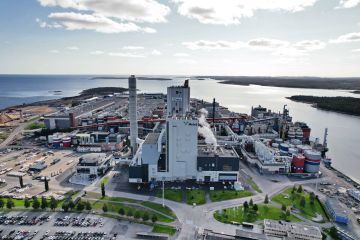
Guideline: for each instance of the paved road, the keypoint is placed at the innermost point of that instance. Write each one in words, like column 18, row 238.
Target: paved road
column 12, row 135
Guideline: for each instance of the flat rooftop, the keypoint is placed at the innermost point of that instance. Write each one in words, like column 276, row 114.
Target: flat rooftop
column 292, row 228
column 93, row 158
column 208, row 151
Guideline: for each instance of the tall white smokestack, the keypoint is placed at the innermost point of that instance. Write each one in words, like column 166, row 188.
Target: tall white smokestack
column 133, row 113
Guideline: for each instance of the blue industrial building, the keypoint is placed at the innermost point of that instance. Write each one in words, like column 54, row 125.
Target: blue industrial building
column 336, row 212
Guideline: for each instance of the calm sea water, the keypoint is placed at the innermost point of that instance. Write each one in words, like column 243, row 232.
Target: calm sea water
column 344, row 130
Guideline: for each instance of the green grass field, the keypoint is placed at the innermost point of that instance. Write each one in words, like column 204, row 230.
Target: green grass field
column 158, row 228
column 170, row 194
column 34, row 125
column 237, row 214
column 221, row 195
column 114, row 208
column 195, row 196
column 158, row 207
column 105, row 180
column 309, row 211
column 254, row 186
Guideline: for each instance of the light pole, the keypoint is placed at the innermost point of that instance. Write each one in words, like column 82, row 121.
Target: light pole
column 163, row 193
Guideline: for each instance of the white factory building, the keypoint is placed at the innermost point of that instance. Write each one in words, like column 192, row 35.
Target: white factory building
column 93, row 164
column 291, row 231
column 174, row 153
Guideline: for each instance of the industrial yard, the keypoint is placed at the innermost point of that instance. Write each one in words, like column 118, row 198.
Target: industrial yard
column 207, row 164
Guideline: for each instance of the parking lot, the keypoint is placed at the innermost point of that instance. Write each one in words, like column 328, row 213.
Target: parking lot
column 47, row 226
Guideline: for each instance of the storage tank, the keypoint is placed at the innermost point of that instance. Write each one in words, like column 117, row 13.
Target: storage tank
column 278, row 140
column 50, row 139
column 293, row 150
column 275, row 145
column 312, row 161
column 303, row 148
column 296, row 142
column 56, row 142
column 66, row 142
column 298, row 163
column 284, row 147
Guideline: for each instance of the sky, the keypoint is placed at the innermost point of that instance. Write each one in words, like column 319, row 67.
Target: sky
column 181, row 37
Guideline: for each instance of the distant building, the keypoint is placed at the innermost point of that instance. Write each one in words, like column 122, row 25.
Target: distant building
column 291, row 231
column 93, row 164
column 336, row 211
column 178, row 100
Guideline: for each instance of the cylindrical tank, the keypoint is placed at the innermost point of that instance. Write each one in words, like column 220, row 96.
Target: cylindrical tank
column 50, row 139
column 312, row 161
column 303, row 148
column 275, row 145
column 278, row 140
column 295, row 142
column 66, row 141
column 297, row 164
column 56, row 142
column 293, row 150
column 284, row 147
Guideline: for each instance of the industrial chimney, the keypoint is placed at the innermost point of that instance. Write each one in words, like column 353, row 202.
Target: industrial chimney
column 133, row 113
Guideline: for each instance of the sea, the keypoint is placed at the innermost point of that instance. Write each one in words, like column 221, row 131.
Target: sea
column 343, row 134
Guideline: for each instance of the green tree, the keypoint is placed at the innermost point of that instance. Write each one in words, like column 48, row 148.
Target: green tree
column 105, row 208
column 44, row 203
column 283, row 207
column 21, row 181
column 246, row 206
column 65, row 206
column 287, row 214
column 266, row 201
column 71, row 204
column 255, row 208
column 36, row 203
column 333, row 232
column 1, row 202
column 53, row 203
column 251, row 203
column 27, row 203
column 300, row 189
column 10, row 203
column 137, row 215
column 103, row 194
column 154, row 218
column 145, row 216
column 312, row 198
column 46, row 184
column 293, row 190
column 129, row 213
column 302, row 202
column 121, row 211
column 88, row 206
column 80, row 206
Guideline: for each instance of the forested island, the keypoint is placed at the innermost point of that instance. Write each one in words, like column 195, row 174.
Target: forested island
column 291, row 82
column 138, row 78
column 348, row 105
column 103, row 90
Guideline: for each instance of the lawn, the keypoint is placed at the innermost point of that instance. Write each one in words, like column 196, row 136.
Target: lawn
column 105, row 180
column 221, row 195
column 266, row 211
column 309, row 211
column 158, row 207
column 170, row 194
column 254, row 186
column 158, row 228
column 35, row 125
column 195, row 196
column 114, row 208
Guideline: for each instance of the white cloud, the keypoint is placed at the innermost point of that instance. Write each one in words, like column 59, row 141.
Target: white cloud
column 181, row 55
column 126, row 54
column 266, row 43
column 133, row 47
column 348, row 3
column 44, row 24
column 276, row 46
column 126, row 10
column 54, row 51
column 97, row 52
column 356, row 50
column 156, row 52
column 232, row 11
column 78, row 21
column 209, row 45
column 349, row 37
column 72, row 48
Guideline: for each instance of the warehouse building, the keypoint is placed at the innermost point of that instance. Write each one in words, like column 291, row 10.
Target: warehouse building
column 291, row 231
column 93, row 164
column 355, row 194
column 336, row 211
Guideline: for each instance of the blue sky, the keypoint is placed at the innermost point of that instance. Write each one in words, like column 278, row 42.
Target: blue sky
column 188, row 37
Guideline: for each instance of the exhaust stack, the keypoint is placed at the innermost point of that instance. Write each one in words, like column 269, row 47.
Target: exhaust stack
column 133, row 113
